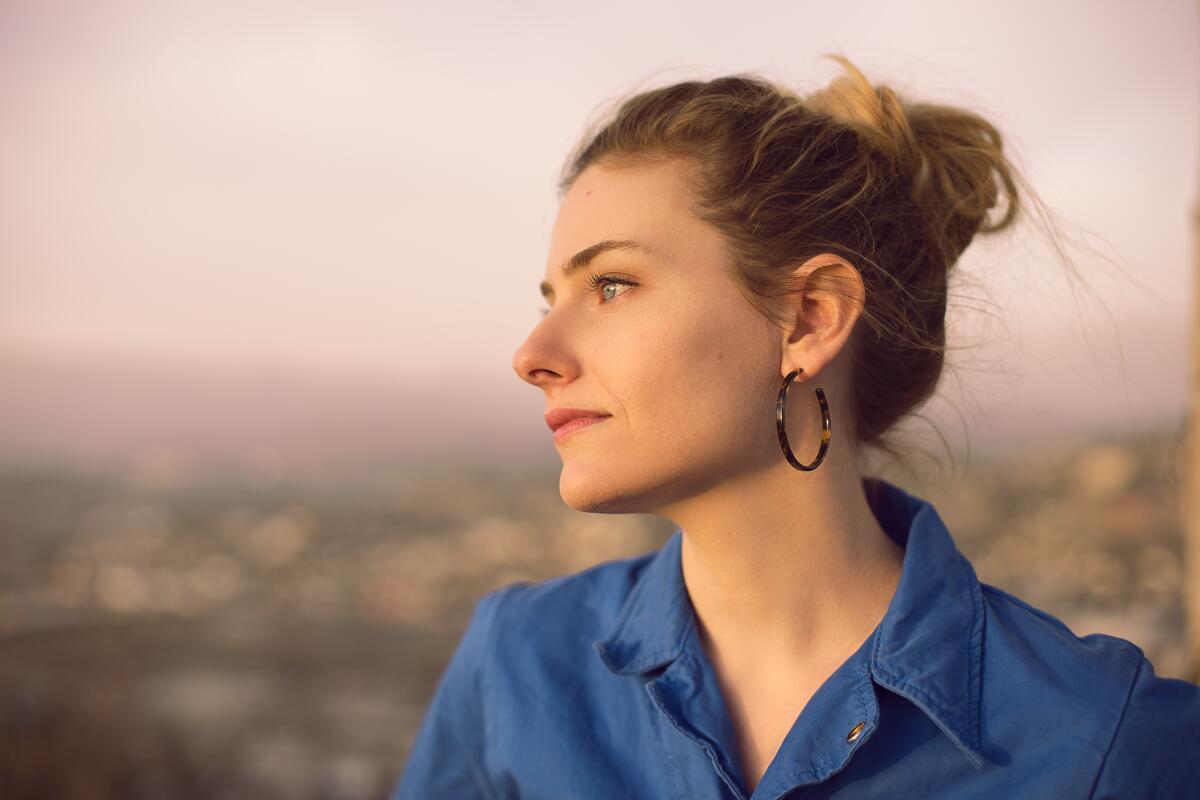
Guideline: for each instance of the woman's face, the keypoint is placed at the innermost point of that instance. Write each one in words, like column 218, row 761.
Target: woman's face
column 665, row 343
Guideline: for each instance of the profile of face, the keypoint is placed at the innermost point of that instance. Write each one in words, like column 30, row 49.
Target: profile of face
column 664, row 342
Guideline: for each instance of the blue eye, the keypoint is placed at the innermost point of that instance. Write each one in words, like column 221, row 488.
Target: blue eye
column 601, row 282
column 604, row 281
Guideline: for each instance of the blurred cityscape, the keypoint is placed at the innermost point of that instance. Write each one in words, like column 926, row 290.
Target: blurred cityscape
column 210, row 637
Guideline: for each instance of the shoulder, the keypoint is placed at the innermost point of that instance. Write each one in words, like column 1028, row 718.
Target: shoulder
column 1100, row 689
column 1017, row 628
column 577, row 606
column 545, row 632
column 1155, row 749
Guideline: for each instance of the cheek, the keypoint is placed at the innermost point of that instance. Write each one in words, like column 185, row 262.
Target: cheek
column 705, row 383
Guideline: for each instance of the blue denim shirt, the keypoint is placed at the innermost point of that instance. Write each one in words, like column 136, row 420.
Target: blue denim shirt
column 594, row 685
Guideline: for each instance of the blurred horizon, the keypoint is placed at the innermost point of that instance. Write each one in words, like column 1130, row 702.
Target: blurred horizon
column 170, row 421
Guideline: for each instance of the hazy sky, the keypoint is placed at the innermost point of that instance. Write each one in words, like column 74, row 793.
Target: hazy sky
column 368, row 187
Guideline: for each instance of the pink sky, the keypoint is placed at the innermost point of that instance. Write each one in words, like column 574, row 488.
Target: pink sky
column 367, row 188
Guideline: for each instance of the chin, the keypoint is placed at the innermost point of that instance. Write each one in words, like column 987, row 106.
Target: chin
column 607, row 490
column 590, row 488
column 590, row 495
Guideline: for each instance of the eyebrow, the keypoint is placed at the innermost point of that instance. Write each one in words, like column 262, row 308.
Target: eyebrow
column 587, row 255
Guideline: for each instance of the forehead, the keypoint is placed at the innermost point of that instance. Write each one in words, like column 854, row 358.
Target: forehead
column 647, row 203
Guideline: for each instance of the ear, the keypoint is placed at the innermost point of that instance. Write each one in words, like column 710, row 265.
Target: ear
column 823, row 307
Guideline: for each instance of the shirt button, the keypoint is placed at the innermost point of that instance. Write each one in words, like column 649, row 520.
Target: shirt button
column 854, row 732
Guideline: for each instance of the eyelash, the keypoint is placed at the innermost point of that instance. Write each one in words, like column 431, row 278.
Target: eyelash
column 595, row 282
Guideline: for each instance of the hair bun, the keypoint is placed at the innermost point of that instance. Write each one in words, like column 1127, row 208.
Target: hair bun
column 876, row 112
column 951, row 159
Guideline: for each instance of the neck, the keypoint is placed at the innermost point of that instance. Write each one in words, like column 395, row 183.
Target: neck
column 786, row 567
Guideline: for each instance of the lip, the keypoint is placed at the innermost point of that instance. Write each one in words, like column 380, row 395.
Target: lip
column 565, row 420
column 568, row 428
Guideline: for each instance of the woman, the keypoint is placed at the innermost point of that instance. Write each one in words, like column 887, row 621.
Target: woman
column 729, row 257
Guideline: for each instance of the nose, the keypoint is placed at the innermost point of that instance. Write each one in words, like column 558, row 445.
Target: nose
column 538, row 363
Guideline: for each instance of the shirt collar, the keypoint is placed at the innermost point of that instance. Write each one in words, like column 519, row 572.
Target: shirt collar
column 928, row 646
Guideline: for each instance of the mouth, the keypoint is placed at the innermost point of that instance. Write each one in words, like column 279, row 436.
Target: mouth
column 567, row 428
column 566, row 420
